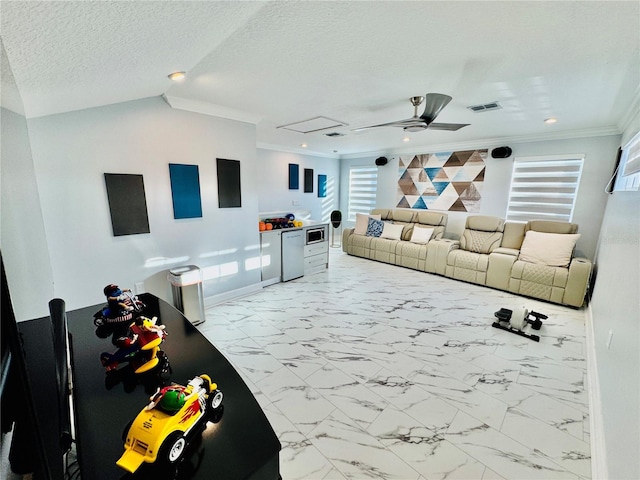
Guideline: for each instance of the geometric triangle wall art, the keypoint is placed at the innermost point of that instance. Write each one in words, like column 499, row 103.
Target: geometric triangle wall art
column 449, row 181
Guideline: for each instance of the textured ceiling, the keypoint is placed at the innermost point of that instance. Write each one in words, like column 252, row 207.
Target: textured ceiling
column 277, row 63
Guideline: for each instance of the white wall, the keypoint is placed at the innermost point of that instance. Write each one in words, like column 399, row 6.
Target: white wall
column 72, row 151
column 22, row 239
column 599, row 162
column 615, row 307
column 273, row 184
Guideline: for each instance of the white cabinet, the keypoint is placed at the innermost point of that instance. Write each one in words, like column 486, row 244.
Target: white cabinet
column 316, row 255
column 271, row 256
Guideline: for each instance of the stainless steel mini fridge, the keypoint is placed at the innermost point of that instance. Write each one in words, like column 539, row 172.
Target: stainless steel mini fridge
column 292, row 255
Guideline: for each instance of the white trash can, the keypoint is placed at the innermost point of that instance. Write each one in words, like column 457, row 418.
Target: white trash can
column 186, row 287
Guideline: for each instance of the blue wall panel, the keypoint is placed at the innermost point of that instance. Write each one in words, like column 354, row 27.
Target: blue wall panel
column 185, row 191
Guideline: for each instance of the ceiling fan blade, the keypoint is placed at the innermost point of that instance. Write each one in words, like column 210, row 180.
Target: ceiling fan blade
column 434, row 103
column 399, row 123
column 452, row 127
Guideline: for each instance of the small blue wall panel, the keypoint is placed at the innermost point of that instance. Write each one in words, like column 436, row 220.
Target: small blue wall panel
column 185, row 190
column 294, row 176
column 322, row 186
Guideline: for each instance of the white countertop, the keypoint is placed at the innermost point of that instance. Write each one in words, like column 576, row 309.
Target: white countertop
column 306, row 224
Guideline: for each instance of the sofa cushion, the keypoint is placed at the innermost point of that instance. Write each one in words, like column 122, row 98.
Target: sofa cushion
column 432, row 218
column 485, row 223
column 374, row 227
column 385, row 213
column 513, row 235
column 407, row 230
column 405, row 216
column 539, row 281
column 480, row 242
column 421, row 234
column 552, row 249
column 362, row 223
column 392, row 231
column 551, row 226
column 411, row 250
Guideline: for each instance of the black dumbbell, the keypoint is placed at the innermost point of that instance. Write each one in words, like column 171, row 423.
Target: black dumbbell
column 536, row 322
column 504, row 314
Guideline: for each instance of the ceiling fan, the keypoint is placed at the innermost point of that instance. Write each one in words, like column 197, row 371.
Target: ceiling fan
column 434, row 104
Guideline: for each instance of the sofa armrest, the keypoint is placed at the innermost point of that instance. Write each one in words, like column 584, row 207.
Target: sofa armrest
column 345, row 238
column 437, row 253
column 501, row 262
column 577, row 282
column 507, row 251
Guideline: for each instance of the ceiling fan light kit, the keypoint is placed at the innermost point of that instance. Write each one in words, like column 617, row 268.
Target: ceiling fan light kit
column 177, row 76
column 434, row 103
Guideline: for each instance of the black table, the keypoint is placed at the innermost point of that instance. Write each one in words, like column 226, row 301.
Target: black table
column 241, row 445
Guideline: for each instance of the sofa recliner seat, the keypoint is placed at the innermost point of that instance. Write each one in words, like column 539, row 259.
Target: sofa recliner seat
column 468, row 259
column 565, row 284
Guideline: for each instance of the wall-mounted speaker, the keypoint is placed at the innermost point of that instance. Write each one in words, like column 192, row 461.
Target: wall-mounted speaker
column 501, row 152
column 380, row 161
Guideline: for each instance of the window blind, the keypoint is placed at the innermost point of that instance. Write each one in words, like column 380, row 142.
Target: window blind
column 544, row 188
column 363, row 183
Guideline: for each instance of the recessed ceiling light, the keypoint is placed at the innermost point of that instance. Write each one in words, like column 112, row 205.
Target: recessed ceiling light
column 550, row 120
column 177, row 76
column 406, row 139
column 303, row 145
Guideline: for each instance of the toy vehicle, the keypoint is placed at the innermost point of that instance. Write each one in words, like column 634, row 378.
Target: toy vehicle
column 121, row 306
column 140, row 348
column 174, row 415
column 149, row 381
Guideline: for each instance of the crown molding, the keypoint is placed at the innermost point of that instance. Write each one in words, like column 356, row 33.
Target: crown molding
column 632, row 112
column 300, row 151
column 489, row 142
column 207, row 108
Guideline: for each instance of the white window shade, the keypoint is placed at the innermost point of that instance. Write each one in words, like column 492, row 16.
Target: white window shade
column 363, row 184
column 544, row 188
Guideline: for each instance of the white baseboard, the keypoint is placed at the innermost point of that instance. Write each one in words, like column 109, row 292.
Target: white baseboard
column 599, row 470
column 232, row 295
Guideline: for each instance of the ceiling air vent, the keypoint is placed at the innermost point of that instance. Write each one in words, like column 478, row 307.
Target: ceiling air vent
column 486, row 107
column 334, row 134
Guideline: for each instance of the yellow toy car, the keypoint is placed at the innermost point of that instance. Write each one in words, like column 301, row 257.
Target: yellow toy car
column 163, row 428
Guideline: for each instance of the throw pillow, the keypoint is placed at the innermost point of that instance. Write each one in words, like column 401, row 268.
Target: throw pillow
column 374, row 229
column 552, row 249
column 421, row 234
column 362, row 223
column 392, row 231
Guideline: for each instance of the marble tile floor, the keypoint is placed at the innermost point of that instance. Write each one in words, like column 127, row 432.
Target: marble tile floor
column 371, row 370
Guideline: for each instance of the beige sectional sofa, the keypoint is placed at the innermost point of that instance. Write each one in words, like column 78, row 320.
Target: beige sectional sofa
column 398, row 252
column 490, row 252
